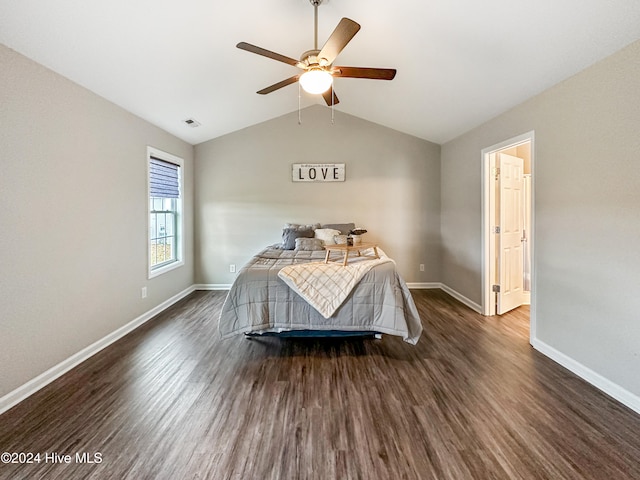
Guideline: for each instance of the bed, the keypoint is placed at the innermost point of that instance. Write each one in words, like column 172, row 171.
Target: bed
column 262, row 302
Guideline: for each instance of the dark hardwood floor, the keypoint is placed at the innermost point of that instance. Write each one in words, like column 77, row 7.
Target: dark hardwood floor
column 472, row 400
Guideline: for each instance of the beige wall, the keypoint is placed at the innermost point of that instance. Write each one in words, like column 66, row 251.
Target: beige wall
column 587, row 226
column 244, row 191
column 73, row 222
column 73, row 190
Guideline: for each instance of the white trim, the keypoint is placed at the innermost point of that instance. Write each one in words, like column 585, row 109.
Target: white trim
column 179, row 262
column 461, row 298
column 212, row 286
column 487, row 201
column 167, row 268
column 445, row 288
column 488, row 303
column 415, row 286
column 424, row 286
column 607, row 386
column 32, row 386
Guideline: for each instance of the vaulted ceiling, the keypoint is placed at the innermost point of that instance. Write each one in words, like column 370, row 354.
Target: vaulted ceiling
column 459, row 62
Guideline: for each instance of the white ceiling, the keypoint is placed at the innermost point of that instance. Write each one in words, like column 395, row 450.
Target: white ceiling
column 459, row 62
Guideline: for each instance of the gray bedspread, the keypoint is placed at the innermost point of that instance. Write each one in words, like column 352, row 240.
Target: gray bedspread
column 259, row 301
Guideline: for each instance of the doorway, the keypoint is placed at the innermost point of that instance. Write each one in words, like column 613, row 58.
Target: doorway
column 507, row 223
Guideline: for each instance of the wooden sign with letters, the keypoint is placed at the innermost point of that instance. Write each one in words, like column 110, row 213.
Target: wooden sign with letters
column 317, row 172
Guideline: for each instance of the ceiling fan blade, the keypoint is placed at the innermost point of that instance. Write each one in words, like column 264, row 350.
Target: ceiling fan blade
column 364, row 72
column 328, row 97
column 267, row 53
column 279, row 85
column 342, row 35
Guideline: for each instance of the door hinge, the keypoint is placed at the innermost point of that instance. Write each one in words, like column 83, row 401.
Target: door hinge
column 496, row 288
column 496, row 172
column 496, row 229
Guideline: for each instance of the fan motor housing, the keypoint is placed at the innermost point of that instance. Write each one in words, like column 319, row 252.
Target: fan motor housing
column 310, row 59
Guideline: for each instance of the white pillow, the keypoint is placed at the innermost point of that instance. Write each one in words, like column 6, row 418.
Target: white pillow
column 340, row 239
column 326, row 235
column 309, row 244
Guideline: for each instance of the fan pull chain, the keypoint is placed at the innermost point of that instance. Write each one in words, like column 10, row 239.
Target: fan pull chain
column 299, row 100
column 333, row 102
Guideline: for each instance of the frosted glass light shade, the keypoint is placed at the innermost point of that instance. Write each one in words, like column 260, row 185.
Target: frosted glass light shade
column 316, row 81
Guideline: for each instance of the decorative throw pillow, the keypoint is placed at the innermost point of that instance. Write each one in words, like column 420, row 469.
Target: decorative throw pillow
column 289, row 235
column 300, row 225
column 345, row 228
column 326, row 235
column 340, row 239
column 309, row 244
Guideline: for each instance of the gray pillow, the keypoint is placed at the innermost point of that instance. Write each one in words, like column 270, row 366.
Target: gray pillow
column 309, row 244
column 344, row 228
column 289, row 235
column 300, row 225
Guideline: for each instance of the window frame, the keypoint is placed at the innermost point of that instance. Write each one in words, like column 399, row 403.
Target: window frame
column 154, row 271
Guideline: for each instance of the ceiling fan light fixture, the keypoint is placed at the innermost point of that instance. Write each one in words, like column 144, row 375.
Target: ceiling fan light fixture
column 317, row 64
column 316, row 81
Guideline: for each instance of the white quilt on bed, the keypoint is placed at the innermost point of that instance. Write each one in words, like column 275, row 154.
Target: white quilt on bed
column 326, row 285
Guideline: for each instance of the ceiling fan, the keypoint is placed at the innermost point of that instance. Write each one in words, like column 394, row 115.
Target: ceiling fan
column 319, row 71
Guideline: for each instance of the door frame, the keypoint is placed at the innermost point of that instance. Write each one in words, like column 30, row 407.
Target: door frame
column 488, row 238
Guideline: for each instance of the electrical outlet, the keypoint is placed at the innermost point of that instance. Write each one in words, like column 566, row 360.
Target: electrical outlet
column 232, row 268
column 422, row 267
column 143, row 292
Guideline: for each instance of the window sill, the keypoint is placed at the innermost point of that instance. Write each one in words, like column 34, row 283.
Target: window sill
column 167, row 268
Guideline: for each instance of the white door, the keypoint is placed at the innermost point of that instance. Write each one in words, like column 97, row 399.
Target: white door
column 510, row 236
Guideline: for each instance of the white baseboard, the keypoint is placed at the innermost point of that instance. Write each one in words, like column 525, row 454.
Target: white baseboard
column 458, row 296
column 424, row 286
column 212, row 286
column 415, row 285
column 607, row 386
column 461, row 298
column 32, row 386
column 16, row 396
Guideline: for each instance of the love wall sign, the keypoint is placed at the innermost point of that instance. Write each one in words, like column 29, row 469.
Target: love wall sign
column 317, row 172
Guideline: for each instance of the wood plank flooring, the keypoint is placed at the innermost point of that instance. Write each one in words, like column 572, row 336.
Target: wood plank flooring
column 472, row 400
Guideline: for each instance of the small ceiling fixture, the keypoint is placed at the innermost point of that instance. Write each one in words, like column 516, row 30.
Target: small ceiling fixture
column 192, row 122
column 319, row 71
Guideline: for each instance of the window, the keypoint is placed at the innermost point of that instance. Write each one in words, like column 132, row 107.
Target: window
column 165, row 212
